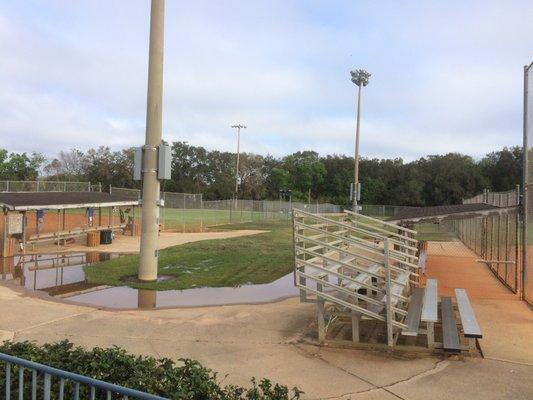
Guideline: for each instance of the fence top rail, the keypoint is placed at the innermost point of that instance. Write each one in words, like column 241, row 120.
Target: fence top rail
column 79, row 378
column 381, row 222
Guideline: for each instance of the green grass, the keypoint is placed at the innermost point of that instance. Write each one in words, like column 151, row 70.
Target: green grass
column 434, row 232
column 175, row 218
column 260, row 258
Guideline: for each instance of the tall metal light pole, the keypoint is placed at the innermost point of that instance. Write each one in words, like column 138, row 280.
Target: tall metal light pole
column 150, row 194
column 238, row 127
column 360, row 77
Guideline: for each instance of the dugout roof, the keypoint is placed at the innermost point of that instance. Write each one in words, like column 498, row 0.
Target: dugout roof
column 24, row 201
column 418, row 214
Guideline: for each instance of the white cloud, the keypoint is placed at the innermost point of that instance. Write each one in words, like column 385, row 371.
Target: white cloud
column 445, row 77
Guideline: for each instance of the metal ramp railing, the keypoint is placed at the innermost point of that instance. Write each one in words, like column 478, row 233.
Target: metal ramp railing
column 355, row 266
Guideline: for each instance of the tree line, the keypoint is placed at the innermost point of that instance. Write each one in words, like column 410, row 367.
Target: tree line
column 430, row 180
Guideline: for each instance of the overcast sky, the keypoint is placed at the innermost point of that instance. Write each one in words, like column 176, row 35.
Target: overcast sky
column 446, row 76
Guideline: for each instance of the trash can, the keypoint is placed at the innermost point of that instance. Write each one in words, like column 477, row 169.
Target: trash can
column 106, row 236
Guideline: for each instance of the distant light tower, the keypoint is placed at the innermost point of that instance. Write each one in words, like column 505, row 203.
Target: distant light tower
column 238, row 127
column 360, row 77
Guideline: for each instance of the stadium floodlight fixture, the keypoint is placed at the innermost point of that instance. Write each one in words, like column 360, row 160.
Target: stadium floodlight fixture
column 360, row 77
column 238, row 127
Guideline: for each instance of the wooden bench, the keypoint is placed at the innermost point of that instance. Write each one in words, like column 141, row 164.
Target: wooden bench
column 430, row 310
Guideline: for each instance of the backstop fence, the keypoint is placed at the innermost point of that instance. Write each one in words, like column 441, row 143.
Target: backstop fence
column 527, row 275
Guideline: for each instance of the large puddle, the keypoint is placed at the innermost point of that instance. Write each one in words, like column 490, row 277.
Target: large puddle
column 63, row 274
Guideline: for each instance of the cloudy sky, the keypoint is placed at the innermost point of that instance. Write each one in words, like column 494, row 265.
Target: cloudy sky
column 446, row 76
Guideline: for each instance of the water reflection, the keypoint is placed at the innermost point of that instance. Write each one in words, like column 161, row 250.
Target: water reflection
column 125, row 297
column 52, row 273
column 63, row 274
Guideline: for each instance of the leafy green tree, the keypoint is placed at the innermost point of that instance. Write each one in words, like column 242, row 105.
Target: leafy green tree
column 20, row 166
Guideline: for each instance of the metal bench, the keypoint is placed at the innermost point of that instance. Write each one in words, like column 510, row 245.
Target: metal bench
column 430, row 311
column 422, row 262
column 414, row 312
column 363, row 277
column 471, row 329
column 450, row 336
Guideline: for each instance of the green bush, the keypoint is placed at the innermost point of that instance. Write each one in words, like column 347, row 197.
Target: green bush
column 187, row 379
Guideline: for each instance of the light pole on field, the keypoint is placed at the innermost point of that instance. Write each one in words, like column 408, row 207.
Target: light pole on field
column 150, row 193
column 360, row 77
column 238, row 127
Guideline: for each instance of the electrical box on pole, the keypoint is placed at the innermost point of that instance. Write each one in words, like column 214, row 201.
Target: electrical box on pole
column 137, row 163
column 164, row 162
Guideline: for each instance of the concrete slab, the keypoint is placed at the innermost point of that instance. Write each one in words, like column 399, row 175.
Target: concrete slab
column 507, row 328
column 469, row 379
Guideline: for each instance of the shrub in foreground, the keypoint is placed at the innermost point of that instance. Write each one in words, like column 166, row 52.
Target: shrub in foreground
column 186, row 379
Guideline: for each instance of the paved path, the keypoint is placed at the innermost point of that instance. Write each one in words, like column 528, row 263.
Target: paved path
column 265, row 341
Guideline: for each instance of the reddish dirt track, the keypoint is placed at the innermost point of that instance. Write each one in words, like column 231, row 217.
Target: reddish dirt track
column 462, row 271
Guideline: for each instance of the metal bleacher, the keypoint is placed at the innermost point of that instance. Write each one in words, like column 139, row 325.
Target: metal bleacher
column 357, row 268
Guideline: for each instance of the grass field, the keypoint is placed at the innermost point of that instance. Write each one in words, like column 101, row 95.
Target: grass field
column 256, row 259
column 197, row 220
column 178, row 219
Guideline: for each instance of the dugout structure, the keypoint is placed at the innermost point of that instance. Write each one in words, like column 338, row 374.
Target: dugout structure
column 24, row 215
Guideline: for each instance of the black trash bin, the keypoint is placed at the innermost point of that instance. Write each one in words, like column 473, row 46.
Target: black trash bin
column 106, row 236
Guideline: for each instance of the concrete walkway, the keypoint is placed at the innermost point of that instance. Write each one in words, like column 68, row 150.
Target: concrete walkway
column 266, row 341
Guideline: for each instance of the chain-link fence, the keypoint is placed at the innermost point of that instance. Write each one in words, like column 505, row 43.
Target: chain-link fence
column 48, row 186
column 381, row 211
column 527, row 275
column 496, row 241
column 188, row 212
column 508, row 198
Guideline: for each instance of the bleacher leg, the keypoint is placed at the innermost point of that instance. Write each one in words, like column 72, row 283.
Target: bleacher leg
column 431, row 335
column 472, row 348
column 356, row 318
column 303, row 293
column 320, row 315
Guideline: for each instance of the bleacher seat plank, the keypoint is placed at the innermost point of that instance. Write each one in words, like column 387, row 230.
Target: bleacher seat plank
column 414, row 312
column 422, row 261
column 429, row 308
column 450, row 336
column 468, row 319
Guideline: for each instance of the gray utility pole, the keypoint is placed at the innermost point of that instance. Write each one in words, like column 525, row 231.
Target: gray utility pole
column 360, row 77
column 238, row 127
column 154, row 108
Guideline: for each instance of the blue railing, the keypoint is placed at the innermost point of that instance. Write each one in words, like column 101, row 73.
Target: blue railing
column 95, row 387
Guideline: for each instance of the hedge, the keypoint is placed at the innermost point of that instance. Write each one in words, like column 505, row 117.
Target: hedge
column 185, row 379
